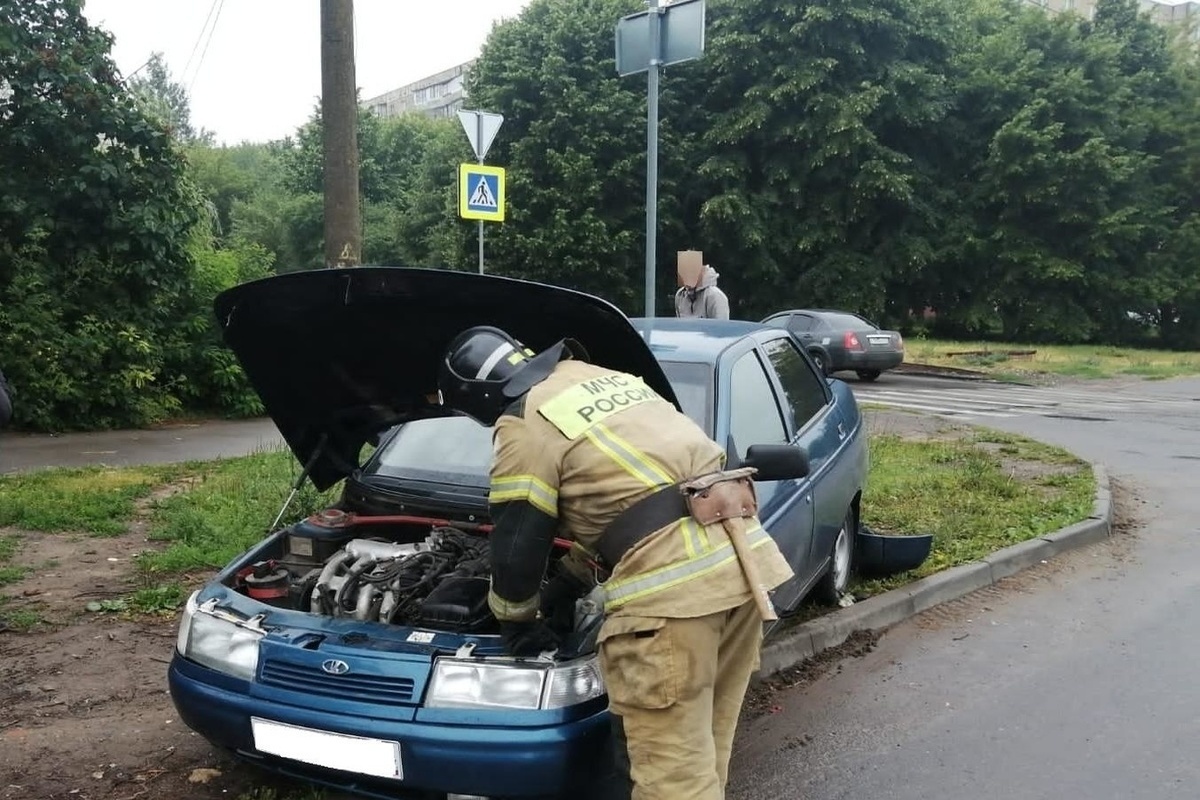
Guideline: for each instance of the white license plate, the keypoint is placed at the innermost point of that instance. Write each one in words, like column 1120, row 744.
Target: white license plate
column 879, row 339
column 377, row 757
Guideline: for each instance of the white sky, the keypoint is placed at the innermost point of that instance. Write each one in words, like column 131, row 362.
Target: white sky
column 261, row 75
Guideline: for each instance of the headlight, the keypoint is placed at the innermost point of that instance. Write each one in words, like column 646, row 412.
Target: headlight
column 479, row 684
column 573, row 683
column 218, row 640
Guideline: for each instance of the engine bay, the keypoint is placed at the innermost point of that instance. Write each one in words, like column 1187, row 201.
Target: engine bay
column 396, row 570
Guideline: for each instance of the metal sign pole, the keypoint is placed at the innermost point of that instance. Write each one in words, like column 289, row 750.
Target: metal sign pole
column 479, row 134
column 670, row 34
column 481, row 128
column 652, row 154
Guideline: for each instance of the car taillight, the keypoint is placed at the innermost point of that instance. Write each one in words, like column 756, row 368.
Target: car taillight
column 851, row 342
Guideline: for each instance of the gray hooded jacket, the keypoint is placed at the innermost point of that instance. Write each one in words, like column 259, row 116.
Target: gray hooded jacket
column 705, row 301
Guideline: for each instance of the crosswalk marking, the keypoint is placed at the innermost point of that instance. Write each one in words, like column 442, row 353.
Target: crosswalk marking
column 935, row 409
column 999, row 400
column 948, row 397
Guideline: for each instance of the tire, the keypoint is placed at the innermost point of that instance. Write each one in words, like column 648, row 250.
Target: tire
column 836, row 581
column 819, row 359
column 868, row 375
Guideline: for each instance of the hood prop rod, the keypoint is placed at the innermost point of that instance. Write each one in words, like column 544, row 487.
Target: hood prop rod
column 312, row 460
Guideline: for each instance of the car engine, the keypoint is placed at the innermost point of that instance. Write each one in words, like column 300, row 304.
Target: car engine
column 440, row 582
column 336, row 565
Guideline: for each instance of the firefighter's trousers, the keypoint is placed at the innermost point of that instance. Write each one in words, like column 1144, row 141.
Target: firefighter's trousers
column 676, row 688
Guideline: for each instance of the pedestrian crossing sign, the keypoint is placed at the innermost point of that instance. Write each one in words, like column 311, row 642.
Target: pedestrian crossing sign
column 481, row 192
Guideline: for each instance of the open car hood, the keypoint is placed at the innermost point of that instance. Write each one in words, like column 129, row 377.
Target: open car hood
column 338, row 355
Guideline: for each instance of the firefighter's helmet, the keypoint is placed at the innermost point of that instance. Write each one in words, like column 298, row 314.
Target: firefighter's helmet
column 477, row 372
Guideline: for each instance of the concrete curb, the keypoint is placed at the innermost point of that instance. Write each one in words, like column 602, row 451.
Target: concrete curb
column 921, row 371
column 881, row 611
column 933, row 372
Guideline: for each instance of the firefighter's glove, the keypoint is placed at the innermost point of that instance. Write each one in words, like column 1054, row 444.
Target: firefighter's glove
column 527, row 639
column 558, row 600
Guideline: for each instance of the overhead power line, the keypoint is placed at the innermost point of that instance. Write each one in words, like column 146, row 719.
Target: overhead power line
column 217, row 6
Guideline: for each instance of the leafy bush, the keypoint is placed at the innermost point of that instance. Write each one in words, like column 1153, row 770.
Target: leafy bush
column 204, row 374
column 71, row 366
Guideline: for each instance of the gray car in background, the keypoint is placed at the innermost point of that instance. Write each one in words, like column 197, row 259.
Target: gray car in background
column 840, row 340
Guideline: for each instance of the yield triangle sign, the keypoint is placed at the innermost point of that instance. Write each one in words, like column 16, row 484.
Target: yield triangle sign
column 481, row 128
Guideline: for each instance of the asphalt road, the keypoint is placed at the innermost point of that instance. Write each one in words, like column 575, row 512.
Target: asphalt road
column 1077, row 680
column 163, row 445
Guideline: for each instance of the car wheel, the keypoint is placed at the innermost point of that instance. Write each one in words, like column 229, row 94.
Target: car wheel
column 868, row 374
column 819, row 359
column 836, row 580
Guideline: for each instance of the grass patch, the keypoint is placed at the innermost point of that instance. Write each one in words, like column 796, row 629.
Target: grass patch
column 17, row 619
column 98, row 500
column 10, row 573
column 1078, row 361
column 158, row 599
column 976, row 491
column 976, row 494
column 229, row 507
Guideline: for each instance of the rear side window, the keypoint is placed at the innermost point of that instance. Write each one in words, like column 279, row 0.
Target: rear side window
column 753, row 412
column 804, row 390
column 801, row 323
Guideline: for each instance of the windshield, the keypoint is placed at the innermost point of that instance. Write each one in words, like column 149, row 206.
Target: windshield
column 433, row 449
column 441, row 445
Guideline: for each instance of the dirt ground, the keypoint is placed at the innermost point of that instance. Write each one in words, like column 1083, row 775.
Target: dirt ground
column 84, row 708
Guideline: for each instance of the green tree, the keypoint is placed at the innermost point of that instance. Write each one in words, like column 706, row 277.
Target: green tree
column 1174, row 297
column 574, row 141
column 417, row 223
column 229, row 175
column 95, row 216
column 1056, row 181
column 166, row 100
column 825, row 122
column 407, row 187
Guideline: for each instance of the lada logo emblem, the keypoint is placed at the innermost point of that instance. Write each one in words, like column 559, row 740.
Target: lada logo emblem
column 335, row 666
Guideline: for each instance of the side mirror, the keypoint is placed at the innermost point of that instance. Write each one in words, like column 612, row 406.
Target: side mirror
column 777, row 462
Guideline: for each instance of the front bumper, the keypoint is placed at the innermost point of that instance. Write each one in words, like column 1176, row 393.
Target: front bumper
column 477, row 755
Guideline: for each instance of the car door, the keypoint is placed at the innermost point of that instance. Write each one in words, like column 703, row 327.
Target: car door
column 814, row 424
column 756, row 415
column 809, row 330
column 802, row 326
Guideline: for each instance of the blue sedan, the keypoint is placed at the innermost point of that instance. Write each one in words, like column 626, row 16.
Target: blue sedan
column 354, row 648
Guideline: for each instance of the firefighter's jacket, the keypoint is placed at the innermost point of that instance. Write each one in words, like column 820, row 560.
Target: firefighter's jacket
column 583, row 445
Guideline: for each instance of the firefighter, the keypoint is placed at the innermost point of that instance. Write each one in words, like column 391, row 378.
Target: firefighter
column 596, row 456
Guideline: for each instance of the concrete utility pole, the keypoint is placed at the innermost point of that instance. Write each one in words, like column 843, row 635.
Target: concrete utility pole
column 339, row 116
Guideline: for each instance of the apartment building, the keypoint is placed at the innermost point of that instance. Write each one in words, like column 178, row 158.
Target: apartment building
column 1173, row 13
column 1163, row 12
column 438, row 95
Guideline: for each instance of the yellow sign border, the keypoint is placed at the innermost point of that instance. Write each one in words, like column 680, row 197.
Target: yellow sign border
column 465, row 171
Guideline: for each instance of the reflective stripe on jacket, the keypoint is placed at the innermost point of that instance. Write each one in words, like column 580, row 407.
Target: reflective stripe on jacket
column 587, row 443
